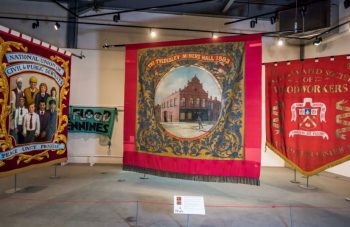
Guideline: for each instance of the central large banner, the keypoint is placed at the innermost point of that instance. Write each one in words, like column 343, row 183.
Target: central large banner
column 193, row 109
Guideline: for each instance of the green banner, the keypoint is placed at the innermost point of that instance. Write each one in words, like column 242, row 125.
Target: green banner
column 99, row 120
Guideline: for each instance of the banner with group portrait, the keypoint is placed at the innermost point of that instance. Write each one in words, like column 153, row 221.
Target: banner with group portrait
column 34, row 101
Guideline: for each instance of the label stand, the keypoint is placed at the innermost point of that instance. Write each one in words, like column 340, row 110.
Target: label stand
column 294, row 181
column 307, row 186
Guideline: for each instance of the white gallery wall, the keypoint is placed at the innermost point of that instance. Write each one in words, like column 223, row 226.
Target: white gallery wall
column 98, row 79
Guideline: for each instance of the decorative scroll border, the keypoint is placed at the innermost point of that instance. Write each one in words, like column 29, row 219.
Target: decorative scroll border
column 226, row 140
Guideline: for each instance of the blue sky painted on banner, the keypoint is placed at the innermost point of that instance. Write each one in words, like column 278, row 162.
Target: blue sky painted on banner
column 179, row 77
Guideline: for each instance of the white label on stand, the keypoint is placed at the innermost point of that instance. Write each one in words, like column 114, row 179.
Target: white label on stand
column 189, row 205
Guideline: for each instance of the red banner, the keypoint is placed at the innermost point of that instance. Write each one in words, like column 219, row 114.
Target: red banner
column 34, row 101
column 193, row 109
column 307, row 112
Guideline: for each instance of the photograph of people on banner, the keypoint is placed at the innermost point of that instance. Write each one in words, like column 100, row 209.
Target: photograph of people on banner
column 33, row 101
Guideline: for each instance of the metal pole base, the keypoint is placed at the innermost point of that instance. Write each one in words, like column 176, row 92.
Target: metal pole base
column 294, row 181
column 144, row 177
column 305, row 186
column 13, row 190
column 55, row 173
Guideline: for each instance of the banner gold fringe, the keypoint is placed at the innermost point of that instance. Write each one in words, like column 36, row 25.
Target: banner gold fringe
column 307, row 173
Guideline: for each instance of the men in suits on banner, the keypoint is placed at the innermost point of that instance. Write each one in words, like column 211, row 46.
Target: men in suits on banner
column 44, row 117
column 31, row 125
column 16, row 95
column 20, row 112
column 53, row 119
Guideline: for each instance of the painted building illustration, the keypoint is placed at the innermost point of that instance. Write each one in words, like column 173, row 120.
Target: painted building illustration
column 189, row 103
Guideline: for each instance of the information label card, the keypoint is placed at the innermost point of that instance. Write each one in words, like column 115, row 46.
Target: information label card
column 189, row 205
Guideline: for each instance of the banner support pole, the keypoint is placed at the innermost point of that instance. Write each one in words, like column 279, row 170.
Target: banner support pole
column 144, row 177
column 15, row 188
column 55, row 173
column 294, row 181
column 307, row 186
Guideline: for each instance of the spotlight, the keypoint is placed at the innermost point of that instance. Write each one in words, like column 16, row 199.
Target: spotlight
column 35, row 24
column 280, row 42
column 116, row 18
column 152, row 33
column 253, row 23
column 273, row 19
column 214, row 36
column 105, row 46
column 317, row 41
column 57, row 26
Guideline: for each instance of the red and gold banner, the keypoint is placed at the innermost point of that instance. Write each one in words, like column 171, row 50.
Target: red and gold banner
column 193, row 109
column 34, row 102
column 308, row 112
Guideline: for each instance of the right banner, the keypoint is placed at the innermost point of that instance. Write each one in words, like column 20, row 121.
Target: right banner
column 308, row 112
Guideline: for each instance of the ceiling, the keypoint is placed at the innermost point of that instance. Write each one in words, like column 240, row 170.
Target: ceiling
column 210, row 8
column 317, row 14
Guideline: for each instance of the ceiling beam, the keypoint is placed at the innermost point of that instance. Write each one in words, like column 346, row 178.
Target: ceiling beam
column 273, row 12
column 65, row 8
column 228, row 6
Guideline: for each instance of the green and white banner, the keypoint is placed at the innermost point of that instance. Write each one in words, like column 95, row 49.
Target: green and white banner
column 99, row 120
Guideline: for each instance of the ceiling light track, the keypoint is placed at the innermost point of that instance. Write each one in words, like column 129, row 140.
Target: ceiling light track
column 148, row 8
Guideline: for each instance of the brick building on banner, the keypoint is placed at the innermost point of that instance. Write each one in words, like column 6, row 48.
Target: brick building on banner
column 185, row 105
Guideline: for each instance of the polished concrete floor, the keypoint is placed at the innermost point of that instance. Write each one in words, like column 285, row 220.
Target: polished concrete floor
column 104, row 195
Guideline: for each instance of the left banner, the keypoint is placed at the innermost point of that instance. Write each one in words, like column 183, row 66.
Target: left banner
column 34, row 101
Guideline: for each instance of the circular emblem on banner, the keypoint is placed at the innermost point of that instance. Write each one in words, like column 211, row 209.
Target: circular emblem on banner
column 188, row 102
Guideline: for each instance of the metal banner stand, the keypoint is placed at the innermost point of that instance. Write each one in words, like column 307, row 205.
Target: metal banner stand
column 15, row 189
column 55, row 173
column 294, row 181
column 307, row 186
column 144, row 177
